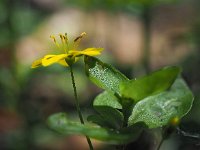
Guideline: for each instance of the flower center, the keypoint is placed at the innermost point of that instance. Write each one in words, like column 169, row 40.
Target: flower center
column 63, row 45
column 64, row 42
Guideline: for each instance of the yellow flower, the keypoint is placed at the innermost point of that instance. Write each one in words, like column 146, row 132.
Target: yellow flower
column 69, row 56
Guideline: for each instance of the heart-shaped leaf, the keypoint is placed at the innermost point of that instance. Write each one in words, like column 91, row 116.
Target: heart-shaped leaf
column 158, row 110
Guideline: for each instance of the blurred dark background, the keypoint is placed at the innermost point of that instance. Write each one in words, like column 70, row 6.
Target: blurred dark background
column 138, row 36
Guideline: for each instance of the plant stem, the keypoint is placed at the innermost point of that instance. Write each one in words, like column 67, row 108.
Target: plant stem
column 78, row 106
column 161, row 142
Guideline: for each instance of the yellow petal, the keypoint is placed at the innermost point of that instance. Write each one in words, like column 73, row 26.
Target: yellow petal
column 88, row 52
column 51, row 59
column 63, row 63
column 92, row 51
column 36, row 63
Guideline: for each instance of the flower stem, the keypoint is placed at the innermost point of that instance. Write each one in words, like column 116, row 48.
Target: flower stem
column 78, row 106
column 161, row 142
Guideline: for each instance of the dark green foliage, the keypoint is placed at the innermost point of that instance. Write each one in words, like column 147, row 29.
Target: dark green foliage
column 60, row 123
column 151, row 84
column 107, row 99
column 107, row 117
column 126, row 105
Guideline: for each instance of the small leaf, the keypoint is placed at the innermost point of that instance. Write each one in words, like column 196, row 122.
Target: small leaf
column 127, row 107
column 110, row 117
column 107, row 99
column 103, row 75
column 151, row 84
column 97, row 119
column 158, row 110
column 63, row 125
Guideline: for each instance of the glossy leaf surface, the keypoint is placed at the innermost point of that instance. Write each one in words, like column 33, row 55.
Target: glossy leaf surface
column 158, row 110
column 103, row 75
column 107, row 99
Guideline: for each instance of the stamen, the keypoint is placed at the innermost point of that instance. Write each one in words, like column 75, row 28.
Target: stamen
column 83, row 34
column 78, row 39
column 54, row 40
column 64, row 42
column 66, row 39
column 62, row 38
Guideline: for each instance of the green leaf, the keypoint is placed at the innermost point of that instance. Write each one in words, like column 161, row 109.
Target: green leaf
column 151, row 84
column 97, row 119
column 108, row 117
column 107, row 99
column 63, row 125
column 158, row 110
column 103, row 75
